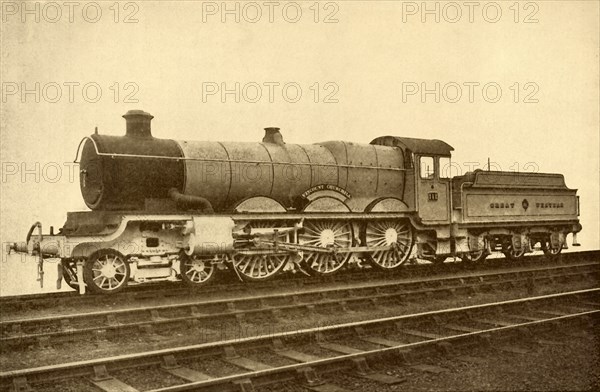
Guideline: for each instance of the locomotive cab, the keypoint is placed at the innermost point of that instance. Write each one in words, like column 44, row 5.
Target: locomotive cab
column 429, row 176
column 433, row 189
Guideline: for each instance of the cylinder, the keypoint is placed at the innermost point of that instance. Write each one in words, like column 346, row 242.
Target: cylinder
column 209, row 235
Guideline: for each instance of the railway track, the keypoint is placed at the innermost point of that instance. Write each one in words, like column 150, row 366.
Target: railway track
column 307, row 355
column 20, row 333
column 232, row 286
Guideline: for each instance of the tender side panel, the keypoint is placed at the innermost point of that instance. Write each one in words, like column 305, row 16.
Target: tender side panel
column 495, row 205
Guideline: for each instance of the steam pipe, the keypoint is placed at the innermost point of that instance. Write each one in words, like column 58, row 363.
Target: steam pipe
column 190, row 202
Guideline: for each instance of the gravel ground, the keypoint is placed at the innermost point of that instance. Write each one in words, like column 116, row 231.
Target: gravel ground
column 570, row 366
column 144, row 379
column 215, row 368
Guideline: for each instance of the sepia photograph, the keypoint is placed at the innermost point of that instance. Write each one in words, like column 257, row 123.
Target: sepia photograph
column 309, row 195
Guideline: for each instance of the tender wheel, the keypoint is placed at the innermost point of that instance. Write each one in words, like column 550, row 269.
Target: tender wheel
column 326, row 234
column 106, row 271
column 260, row 266
column 397, row 234
column 196, row 271
column 512, row 254
column 474, row 257
column 548, row 250
column 69, row 273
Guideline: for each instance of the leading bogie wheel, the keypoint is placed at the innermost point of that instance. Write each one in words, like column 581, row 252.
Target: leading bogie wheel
column 196, row 271
column 69, row 273
column 398, row 235
column 106, row 271
column 328, row 234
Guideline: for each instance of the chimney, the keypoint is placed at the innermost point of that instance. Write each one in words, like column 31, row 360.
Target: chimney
column 138, row 123
column 272, row 135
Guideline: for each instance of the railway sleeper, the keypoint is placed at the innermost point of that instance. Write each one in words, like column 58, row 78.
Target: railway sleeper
column 20, row 384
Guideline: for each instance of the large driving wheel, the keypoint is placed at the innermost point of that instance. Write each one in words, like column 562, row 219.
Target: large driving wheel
column 326, row 234
column 106, row 271
column 398, row 235
column 196, row 271
column 261, row 266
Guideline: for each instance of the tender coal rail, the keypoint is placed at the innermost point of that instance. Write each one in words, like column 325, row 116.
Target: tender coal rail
column 317, row 351
column 62, row 329
column 231, row 284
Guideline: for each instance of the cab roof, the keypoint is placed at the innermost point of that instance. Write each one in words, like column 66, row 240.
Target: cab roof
column 417, row 146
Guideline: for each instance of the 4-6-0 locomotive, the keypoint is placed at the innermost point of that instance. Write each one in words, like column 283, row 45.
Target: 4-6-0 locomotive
column 165, row 209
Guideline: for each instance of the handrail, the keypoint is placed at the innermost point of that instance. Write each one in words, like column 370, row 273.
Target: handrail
column 177, row 159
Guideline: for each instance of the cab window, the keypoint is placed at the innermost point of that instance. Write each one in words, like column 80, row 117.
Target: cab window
column 446, row 168
column 408, row 159
column 427, row 168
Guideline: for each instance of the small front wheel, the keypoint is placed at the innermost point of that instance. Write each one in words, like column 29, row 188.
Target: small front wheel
column 69, row 274
column 196, row 271
column 106, row 272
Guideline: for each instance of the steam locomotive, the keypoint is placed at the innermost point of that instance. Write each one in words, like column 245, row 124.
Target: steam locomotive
column 163, row 209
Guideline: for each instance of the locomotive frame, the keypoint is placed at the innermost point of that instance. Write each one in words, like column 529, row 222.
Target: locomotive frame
column 157, row 214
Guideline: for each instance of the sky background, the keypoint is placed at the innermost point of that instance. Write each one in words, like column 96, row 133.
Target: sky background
column 362, row 64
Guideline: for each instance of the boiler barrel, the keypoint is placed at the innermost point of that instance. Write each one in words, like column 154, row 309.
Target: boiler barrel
column 228, row 173
column 130, row 170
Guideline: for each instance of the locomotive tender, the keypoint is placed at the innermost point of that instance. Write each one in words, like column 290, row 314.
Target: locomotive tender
column 163, row 209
